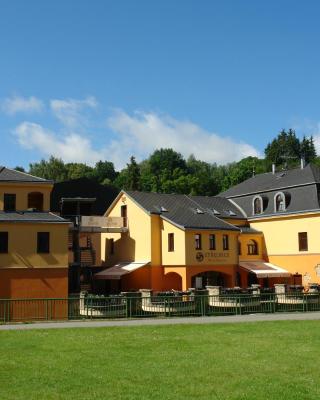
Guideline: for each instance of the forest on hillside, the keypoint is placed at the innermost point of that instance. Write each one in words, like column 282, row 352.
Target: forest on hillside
column 167, row 171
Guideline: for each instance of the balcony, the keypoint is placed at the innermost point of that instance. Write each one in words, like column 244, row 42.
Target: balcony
column 97, row 224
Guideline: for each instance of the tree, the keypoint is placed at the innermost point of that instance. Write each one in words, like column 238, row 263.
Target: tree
column 284, row 150
column 54, row 169
column 307, row 149
column 20, row 169
column 133, row 175
column 79, row 170
column 104, row 172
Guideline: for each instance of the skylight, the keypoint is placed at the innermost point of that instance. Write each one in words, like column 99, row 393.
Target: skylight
column 163, row 209
column 231, row 213
column 215, row 212
column 198, row 211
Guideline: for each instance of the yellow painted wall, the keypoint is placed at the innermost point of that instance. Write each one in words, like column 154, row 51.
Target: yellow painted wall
column 212, row 257
column 281, row 234
column 23, row 246
column 282, row 245
column 244, row 239
column 178, row 256
column 135, row 245
column 22, row 190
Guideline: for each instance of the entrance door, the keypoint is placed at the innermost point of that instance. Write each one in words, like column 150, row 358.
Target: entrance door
column 208, row 278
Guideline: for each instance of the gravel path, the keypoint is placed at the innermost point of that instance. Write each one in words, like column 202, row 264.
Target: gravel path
column 164, row 321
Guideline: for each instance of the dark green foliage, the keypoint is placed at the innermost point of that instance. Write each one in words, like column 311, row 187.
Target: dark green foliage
column 104, row 172
column 166, row 171
column 286, row 149
column 54, row 169
column 57, row 170
column 133, row 175
column 20, row 169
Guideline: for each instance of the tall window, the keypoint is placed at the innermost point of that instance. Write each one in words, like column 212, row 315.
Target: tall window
column 239, row 248
column 303, row 241
column 124, row 215
column 197, row 241
column 4, row 242
column 225, row 242
column 35, row 201
column 257, row 205
column 253, row 248
column 170, row 241
column 212, row 242
column 43, row 242
column 9, row 202
column 280, row 202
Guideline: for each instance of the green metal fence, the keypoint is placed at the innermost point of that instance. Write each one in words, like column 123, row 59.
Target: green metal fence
column 137, row 305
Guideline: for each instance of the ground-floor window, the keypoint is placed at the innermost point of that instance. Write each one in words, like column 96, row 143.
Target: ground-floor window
column 43, row 242
column 4, row 238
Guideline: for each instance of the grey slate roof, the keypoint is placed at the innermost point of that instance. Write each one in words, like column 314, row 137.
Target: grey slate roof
column 300, row 186
column 181, row 210
column 281, row 179
column 31, row 216
column 11, row 175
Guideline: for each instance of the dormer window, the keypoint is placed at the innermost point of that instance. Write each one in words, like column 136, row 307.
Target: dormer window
column 215, row 212
column 163, row 209
column 198, row 211
column 257, row 205
column 279, row 202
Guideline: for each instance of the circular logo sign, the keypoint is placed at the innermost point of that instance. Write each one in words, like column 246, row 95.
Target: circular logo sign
column 199, row 256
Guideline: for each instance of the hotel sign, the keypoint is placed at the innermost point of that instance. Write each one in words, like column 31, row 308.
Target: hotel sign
column 212, row 256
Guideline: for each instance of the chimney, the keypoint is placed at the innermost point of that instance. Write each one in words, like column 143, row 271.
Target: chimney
column 302, row 162
column 273, row 168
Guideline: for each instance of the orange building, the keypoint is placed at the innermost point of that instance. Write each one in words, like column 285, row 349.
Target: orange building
column 33, row 241
column 178, row 242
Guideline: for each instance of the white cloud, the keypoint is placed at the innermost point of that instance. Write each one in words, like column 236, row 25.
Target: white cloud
column 70, row 147
column 15, row 104
column 71, row 112
column 144, row 132
column 138, row 135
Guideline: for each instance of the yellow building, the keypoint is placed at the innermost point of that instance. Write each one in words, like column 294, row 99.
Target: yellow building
column 33, row 241
column 178, row 242
column 285, row 207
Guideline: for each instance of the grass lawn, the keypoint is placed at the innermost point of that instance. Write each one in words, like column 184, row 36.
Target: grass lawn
column 268, row 360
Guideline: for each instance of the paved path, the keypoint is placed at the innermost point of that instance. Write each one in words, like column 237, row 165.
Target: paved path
column 165, row 321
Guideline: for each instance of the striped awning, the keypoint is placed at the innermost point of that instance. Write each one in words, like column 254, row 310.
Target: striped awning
column 120, row 269
column 264, row 269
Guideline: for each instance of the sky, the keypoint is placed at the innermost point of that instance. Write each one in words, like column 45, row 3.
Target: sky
column 88, row 80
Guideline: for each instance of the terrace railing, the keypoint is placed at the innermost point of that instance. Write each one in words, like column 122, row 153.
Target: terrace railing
column 145, row 304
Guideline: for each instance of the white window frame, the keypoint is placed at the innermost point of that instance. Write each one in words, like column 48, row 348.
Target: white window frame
column 275, row 201
column 261, row 205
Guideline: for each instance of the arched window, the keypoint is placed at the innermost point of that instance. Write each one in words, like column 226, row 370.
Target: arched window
column 253, row 248
column 257, row 205
column 35, row 201
column 279, row 202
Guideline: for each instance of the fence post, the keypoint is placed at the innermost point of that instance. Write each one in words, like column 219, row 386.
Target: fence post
column 239, row 302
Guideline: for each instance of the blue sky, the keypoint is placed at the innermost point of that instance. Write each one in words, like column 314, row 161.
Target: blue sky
column 85, row 80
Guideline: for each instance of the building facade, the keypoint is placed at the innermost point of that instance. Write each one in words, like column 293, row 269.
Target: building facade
column 33, row 241
column 178, row 242
column 285, row 206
